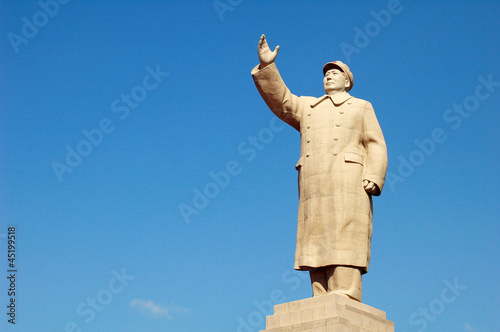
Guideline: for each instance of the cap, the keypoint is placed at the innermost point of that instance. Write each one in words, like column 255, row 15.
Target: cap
column 343, row 67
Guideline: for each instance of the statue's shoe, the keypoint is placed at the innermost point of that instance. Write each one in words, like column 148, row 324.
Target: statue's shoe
column 345, row 294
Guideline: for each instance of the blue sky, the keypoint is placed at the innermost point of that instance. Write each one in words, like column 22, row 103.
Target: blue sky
column 116, row 114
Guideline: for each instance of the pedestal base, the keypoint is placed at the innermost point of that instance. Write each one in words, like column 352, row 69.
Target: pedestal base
column 327, row 313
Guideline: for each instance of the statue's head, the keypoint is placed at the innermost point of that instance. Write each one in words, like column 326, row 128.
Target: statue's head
column 338, row 77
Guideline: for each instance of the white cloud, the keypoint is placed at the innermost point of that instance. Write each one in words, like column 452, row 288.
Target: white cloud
column 156, row 310
column 469, row 328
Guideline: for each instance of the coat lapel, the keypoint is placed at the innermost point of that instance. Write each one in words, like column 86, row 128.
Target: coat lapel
column 338, row 99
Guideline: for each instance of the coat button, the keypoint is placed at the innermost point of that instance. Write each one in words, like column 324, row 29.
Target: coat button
column 338, row 125
column 335, row 139
column 308, row 114
column 307, row 155
column 308, row 127
column 308, row 141
column 341, row 112
column 334, row 154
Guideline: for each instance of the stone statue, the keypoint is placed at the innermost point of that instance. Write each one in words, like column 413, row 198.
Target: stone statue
column 343, row 162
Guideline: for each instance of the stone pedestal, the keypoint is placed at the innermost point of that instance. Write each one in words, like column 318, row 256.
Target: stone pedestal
column 327, row 313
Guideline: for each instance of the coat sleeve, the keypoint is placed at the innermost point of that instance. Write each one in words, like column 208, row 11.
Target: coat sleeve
column 376, row 150
column 276, row 95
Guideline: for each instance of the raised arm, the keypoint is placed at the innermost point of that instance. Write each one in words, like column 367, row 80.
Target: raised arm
column 272, row 88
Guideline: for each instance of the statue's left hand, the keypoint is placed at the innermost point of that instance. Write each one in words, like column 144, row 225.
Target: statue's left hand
column 370, row 187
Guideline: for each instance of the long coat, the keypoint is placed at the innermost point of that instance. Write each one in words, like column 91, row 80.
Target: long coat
column 341, row 145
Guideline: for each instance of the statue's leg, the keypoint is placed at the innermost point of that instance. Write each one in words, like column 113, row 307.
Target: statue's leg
column 319, row 282
column 345, row 280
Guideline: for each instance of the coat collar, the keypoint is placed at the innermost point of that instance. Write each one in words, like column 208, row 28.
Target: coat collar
column 337, row 99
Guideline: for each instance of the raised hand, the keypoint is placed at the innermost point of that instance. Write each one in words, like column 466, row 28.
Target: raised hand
column 266, row 56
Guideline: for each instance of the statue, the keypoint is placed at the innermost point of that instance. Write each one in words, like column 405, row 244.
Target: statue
column 343, row 162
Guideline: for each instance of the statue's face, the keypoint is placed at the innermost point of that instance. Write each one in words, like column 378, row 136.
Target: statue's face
column 335, row 81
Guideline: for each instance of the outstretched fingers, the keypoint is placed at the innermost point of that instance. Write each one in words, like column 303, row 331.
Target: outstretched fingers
column 262, row 42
